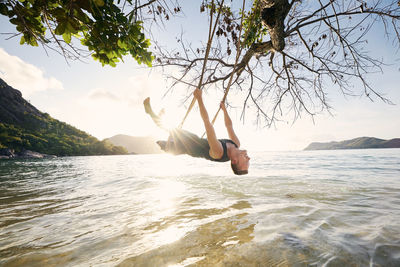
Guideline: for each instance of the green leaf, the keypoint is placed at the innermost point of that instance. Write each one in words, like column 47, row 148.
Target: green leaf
column 122, row 44
column 99, row 2
column 3, row 9
column 33, row 42
column 15, row 21
column 22, row 40
column 73, row 25
column 81, row 16
column 131, row 17
column 59, row 13
column 60, row 29
column 67, row 37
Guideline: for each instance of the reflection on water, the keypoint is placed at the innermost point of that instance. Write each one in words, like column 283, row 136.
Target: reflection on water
column 210, row 244
column 322, row 208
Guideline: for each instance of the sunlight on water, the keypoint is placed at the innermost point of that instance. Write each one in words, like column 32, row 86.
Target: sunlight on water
column 187, row 262
column 169, row 235
column 165, row 195
column 165, row 199
column 305, row 208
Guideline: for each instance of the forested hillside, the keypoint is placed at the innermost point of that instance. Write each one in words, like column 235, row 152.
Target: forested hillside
column 23, row 127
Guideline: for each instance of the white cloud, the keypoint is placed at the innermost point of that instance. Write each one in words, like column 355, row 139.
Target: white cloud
column 24, row 76
column 129, row 92
column 106, row 111
column 98, row 94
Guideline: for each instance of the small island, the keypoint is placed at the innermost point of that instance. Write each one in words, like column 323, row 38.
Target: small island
column 356, row 143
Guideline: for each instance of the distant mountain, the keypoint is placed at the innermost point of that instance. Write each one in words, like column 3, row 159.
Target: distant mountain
column 24, row 127
column 356, row 143
column 136, row 145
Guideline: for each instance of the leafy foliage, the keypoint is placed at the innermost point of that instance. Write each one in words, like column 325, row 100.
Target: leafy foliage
column 253, row 27
column 100, row 25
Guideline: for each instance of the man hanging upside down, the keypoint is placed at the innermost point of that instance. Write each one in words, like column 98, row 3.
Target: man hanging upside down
column 220, row 150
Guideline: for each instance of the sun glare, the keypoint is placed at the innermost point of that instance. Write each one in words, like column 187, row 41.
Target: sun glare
column 188, row 261
column 166, row 195
column 170, row 235
column 170, row 121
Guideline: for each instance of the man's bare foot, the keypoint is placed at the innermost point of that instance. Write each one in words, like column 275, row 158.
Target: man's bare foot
column 147, row 107
column 162, row 145
column 161, row 113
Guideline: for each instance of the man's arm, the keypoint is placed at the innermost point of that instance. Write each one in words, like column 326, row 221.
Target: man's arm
column 216, row 150
column 229, row 126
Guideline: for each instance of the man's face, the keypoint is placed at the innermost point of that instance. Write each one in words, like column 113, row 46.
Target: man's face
column 243, row 160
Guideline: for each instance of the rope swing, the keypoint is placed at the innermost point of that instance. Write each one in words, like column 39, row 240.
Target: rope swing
column 238, row 52
column 210, row 37
column 209, row 42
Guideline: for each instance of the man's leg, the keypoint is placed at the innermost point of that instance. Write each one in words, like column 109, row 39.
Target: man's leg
column 171, row 145
column 167, row 146
column 147, row 108
column 182, row 142
column 179, row 141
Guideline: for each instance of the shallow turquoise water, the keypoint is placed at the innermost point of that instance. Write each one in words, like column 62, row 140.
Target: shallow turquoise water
column 305, row 208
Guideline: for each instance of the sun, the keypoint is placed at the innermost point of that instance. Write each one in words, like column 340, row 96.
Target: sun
column 169, row 121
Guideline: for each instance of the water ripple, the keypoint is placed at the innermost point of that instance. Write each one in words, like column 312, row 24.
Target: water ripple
column 308, row 208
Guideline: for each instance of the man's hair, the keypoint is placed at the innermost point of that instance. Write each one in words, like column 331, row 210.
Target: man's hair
column 237, row 171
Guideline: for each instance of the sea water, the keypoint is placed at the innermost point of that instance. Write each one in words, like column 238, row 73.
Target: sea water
column 304, row 208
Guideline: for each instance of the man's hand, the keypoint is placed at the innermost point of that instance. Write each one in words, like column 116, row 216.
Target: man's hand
column 198, row 94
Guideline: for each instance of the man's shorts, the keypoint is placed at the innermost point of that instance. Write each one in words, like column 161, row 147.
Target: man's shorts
column 184, row 142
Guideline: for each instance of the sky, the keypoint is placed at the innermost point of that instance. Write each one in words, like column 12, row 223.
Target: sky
column 105, row 101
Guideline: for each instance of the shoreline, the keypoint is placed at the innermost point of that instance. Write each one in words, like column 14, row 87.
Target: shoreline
column 9, row 153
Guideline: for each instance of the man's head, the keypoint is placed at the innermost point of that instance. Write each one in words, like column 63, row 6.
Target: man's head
column 240, row 162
